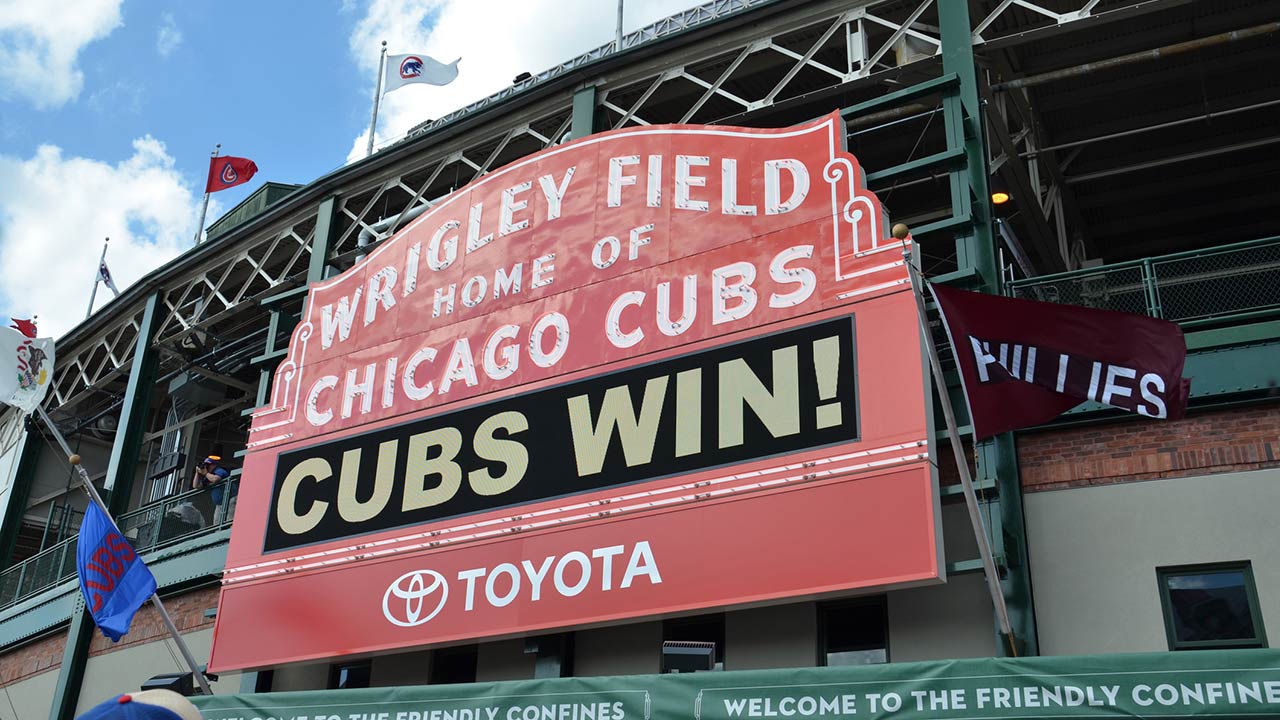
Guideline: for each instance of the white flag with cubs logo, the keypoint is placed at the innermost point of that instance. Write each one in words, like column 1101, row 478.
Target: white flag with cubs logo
column 26, row 369
column 417, row 68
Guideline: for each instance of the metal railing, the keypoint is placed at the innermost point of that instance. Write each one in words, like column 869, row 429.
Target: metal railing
column 173, row 519
column 1230, row 283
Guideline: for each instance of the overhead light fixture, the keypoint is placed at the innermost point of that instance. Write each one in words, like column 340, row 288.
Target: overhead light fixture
column 1000, row 197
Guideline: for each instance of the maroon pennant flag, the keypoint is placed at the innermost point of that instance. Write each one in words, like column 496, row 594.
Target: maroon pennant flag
column 1024, row 362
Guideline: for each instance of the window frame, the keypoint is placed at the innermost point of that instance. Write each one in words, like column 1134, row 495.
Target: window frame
column 335, row 674
column 862, row 601
column 1245, row 568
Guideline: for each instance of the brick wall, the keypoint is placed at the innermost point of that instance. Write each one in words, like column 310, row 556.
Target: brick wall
column 33, row 658
column 46, row 653
column 186, row 610
column 1204, row 443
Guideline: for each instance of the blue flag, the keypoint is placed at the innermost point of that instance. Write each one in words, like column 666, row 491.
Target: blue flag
column 113, row 578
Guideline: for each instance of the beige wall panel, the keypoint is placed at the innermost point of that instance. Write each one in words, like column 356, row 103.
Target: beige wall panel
column 1094, row 553
column 619, row 650
column 771, row 637
column 125, row 670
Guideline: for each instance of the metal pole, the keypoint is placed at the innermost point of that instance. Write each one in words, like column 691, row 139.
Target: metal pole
column 74, row 459
column 377, row 97
column 204, row 208
column 957, row 449
column 97, row 276
column 618, row 47
column 1153, row 54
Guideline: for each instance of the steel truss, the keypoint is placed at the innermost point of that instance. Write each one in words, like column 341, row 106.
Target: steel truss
column 803, row 49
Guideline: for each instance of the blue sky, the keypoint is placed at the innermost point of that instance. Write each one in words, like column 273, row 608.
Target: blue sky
column 109, row 109
column 265, row 80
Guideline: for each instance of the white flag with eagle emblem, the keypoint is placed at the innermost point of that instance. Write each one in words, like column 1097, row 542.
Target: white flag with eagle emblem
column 417, row 68
column 26, row 369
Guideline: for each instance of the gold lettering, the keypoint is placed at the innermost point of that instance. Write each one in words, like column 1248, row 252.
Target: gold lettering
column 416, row 493
column 511, row 452
column 384, row 481
column 286, row 514
column 591, row 440
column 779, row 410
column 689, row 412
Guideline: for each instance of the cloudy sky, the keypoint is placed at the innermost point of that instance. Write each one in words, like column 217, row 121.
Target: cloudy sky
column 109, row 109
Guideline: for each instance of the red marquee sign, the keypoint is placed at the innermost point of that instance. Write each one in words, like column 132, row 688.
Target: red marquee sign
column 647, row 372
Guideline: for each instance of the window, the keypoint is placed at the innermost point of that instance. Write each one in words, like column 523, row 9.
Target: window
column 349, row 675
column 453, row 665
column 853, row 632
column 1210, row 606
column 553, row 655
column 703, row 628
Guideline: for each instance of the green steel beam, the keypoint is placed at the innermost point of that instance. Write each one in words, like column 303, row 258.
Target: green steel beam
column 134, row 410
column 963, row 567
column 947, row 83
column 947, row 158
column 19, row 494
column 121, row 469
column 952, row 224
column 1234, row 335
column 962, row 113
column 584, row 113
column 317, row 270
column 320, row 241
column 66, row 694
column 957, row 490
column 997, row 459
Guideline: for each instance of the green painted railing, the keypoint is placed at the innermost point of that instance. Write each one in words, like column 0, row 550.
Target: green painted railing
column 173, row 519
column 1226, row 284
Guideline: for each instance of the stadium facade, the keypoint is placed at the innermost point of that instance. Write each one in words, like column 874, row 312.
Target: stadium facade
column 1134, row 141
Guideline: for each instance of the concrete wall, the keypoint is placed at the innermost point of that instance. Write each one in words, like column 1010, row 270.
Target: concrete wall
column 771, row 637
column 619, row 650
column 301, row 677
column 954, row 620
column 1095, row 550
column 30, row 698
column 504, row 660
column 125, row 670
column 412, row 668
column 943, row 621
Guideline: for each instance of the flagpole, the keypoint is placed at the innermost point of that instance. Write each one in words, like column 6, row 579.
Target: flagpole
column 74, row 459
column 204, row 208
column 377, row 97
column 618, row 46
column 901, row 232
column 97, row 276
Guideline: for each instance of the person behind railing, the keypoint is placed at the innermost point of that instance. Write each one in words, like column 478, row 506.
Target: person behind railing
column 210, row 474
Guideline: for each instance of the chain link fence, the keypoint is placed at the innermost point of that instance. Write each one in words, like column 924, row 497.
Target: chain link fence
column 1192, row 288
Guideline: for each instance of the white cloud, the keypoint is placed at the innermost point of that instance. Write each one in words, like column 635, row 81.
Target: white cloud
column 118, row 98
column 55, row 211
column 40, row 44
column 496, row 41
column 168, row 36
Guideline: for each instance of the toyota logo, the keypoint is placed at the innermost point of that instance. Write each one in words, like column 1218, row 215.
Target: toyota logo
column 409, row 595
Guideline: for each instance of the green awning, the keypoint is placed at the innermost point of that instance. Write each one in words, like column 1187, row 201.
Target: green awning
column 1215, row 683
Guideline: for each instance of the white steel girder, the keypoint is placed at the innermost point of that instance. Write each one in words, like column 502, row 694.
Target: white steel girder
column 277, row 255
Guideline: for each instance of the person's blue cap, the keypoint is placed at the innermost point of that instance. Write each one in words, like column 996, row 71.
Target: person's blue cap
column 145, row 705
column 212, row 459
